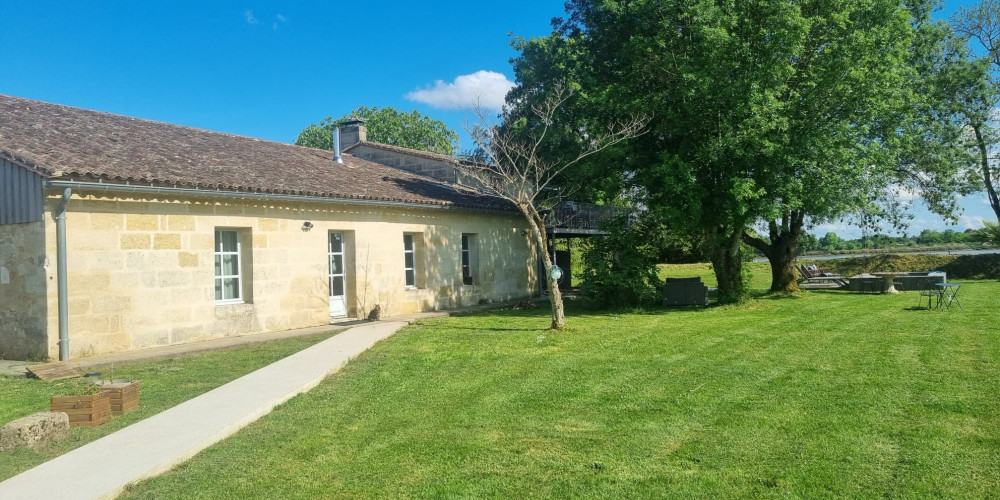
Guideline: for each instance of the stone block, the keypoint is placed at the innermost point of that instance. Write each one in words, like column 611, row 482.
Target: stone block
column 142, row 222
column 184, row 334
column 202, row 241
column 256, row 211
column 79, row 305
column 202, row 208
column 93, row 204
column 34, row 431
column 167, row 241
column 97, row 280
column 151, row 338
column 187, row 259
column 89, row 325
column 125, row 280
column 106, row 260
column 180, row 223
column 268, row 224
column 92, row 240
column 135, row 241
column 167, row 279
column 101, row 221
column 110, row 304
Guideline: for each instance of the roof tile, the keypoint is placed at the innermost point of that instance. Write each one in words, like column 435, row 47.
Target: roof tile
column 64, row 142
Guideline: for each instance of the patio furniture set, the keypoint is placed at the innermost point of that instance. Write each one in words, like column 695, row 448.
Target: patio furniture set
column 933, row 285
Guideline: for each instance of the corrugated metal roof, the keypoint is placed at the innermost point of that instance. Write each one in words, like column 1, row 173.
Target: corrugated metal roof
column 20, row 194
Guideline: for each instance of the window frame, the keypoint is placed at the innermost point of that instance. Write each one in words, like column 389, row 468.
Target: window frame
column 468, row 274
column 220, row 277
column 409, row 272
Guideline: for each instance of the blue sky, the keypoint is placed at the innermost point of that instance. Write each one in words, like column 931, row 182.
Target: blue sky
column 269, row 69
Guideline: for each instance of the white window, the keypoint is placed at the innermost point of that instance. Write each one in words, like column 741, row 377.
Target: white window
column 228, row 267
column 409, row 262
column 469, row 259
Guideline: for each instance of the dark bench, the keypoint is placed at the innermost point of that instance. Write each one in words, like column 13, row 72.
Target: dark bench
column 685, row 292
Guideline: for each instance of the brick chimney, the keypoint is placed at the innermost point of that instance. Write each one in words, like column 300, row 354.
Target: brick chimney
column 352, row 132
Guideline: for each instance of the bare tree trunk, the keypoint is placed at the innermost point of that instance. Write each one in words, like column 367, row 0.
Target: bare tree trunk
column 782, row 250
column 555, row 296
column 542, row 240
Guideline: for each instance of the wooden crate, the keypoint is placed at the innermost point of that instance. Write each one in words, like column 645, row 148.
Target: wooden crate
column 124, row 395
column 84, row 411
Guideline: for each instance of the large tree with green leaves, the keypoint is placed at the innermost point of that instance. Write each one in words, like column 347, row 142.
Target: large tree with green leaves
column 865, row 148
column 765, row 112
column 388, row 126
column 981, row 26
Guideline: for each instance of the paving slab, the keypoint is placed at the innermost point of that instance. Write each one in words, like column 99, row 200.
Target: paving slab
column 152, row 446
column 15, row 369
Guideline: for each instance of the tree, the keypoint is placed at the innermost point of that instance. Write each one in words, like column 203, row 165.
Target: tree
column 916, row 129
column 772, row 112
column 982, row 25
column 518, row 172
column 988, row 234
column 388, row 126
column 831, row 241
column 621, row 268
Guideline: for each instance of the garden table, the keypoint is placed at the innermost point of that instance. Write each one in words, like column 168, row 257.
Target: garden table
column 949, row 294
column 889, row 277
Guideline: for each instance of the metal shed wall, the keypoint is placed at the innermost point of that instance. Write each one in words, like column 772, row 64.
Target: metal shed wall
column 20, row 194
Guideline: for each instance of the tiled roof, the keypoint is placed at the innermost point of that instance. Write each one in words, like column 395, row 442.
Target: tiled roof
column 64, row 142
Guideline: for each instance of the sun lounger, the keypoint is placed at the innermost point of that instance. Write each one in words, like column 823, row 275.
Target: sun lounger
column 812, row 277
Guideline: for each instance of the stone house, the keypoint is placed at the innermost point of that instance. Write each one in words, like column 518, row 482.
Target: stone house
column 118, row 233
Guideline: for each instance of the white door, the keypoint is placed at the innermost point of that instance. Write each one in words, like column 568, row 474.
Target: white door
column 338, row 278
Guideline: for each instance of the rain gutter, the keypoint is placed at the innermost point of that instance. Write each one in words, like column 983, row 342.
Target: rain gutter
column 245, row 195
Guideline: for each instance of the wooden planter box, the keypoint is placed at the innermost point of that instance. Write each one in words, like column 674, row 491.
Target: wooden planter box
column 124, row 395
column 83, row 411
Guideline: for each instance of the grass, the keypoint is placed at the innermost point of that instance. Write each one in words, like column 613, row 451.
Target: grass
column 165, row 384
column 824, row 394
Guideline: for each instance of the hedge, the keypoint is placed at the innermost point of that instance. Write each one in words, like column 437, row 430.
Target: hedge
column 979, row 266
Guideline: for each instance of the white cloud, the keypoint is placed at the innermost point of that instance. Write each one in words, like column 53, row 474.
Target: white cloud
column 906, row 193
column 841, row 228
column 487, row 88
column 278, row 19
column 971, row 221
column 248, row 15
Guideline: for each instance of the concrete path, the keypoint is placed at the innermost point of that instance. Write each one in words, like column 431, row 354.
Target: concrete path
column 154, row 445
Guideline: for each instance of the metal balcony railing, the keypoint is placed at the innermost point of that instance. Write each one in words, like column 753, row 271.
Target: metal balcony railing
column 582, row 216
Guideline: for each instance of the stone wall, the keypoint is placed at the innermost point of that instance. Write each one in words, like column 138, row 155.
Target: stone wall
column 141, row 271
column 429, row 167
column 22, row 291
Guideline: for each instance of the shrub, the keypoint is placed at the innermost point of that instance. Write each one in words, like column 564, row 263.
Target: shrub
column 620, row 269
column 989, row 234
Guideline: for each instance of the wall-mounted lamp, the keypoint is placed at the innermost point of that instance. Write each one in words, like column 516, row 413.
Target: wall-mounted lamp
column 307, row 225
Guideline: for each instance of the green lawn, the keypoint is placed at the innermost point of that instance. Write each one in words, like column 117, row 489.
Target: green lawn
column 827, row 394
column 165, row 384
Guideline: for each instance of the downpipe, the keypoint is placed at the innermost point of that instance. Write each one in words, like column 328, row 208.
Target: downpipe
column 61, row 275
